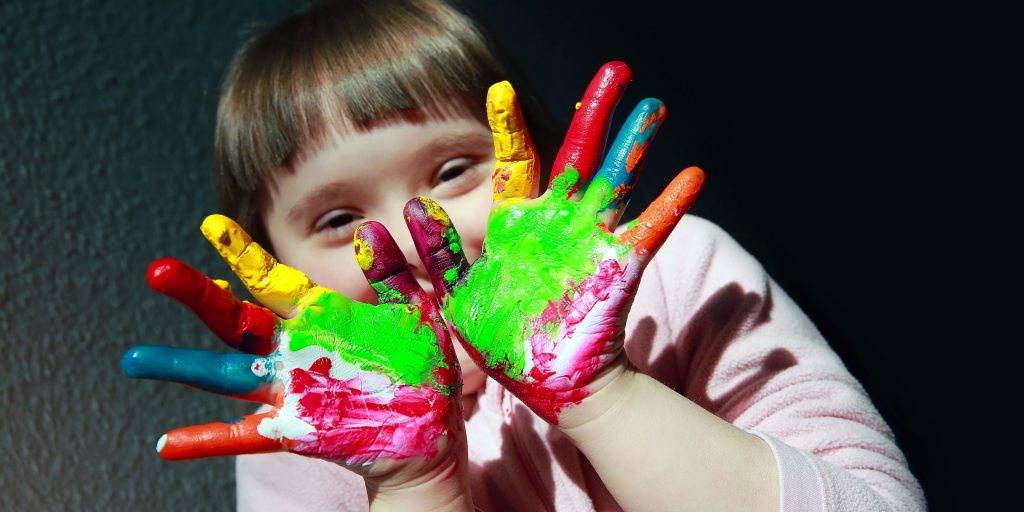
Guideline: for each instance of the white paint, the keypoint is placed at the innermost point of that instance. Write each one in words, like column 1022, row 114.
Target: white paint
column 160, row 443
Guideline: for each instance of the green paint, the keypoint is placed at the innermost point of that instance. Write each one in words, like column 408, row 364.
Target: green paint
column 389, row 339
column 451, row 274
column 386, row 294
column 454, row 240
column 533, row 249
column 632, row 224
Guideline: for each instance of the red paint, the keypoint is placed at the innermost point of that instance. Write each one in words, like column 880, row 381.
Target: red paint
column 242, row 325
column 583, row 148
column 219, row 439
column 321, row 366
column 355, row 427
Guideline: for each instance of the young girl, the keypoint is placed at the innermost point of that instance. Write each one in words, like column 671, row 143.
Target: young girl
column 714, row 393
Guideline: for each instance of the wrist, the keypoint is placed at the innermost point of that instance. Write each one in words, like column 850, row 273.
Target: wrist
column 444, row 486
column 609, row 391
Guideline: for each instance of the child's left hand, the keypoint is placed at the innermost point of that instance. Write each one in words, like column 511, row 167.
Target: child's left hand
column 543, row 309
column 375, row 388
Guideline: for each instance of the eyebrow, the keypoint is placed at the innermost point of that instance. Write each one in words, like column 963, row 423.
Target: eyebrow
column 451, row 141
column 313, row 201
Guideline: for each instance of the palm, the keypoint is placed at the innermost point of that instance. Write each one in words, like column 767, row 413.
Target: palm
column 544, row 307
column 372, row 387
column 553, row 280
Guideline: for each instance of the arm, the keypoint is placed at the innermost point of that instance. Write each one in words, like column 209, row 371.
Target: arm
column 736, row 344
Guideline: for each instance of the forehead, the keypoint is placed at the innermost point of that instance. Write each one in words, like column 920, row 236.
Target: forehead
column 360, row 159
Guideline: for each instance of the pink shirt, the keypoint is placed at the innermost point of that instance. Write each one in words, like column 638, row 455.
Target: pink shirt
column 711, row 324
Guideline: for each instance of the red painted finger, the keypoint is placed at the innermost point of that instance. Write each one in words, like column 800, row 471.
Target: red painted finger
column 219, row 439
column 437, row 243
column 242, row 325
column 583, row 148
column 654, row 225
column 385, row 266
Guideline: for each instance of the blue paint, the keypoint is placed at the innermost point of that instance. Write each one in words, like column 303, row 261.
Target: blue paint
column 632, row 132
column 229, row 374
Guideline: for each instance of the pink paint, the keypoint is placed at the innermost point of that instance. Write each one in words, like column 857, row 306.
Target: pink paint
column 358, row 427
column 551, row 391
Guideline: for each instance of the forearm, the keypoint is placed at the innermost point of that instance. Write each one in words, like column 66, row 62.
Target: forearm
column 656, row 450
column 444, row 488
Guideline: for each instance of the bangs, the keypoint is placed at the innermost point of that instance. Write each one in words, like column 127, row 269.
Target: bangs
column 340, row 65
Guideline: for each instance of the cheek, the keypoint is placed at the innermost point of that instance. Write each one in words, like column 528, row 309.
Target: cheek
column 334, row 268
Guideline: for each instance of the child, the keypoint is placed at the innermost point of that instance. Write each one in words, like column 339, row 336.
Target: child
column 342, row 113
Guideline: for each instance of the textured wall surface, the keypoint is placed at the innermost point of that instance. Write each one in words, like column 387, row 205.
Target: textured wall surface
column 105, row 127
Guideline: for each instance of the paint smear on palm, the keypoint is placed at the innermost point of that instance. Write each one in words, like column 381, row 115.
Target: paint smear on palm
column 547, row 264
column 360, row 382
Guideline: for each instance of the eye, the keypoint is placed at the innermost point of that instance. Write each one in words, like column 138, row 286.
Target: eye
column 453, row 169
column 336, row 224
column 459, row 176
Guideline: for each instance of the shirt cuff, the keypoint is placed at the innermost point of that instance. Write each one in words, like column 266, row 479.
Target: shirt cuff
column 800, row 485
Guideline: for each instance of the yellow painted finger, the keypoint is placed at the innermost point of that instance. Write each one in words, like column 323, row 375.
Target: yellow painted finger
column 516, row 167
column 279, row 287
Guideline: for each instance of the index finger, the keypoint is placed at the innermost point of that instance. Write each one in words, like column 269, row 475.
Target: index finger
column 583, row 148
column 279, row 287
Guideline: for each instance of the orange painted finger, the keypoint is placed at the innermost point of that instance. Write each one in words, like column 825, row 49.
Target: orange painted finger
column 219, row 439
column 516, row 166
column 278, row 287
column 654, row 225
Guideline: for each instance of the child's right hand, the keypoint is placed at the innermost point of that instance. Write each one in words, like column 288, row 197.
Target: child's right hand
column 375, row 388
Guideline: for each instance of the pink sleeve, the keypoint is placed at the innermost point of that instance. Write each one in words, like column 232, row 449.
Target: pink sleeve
column 741, row 348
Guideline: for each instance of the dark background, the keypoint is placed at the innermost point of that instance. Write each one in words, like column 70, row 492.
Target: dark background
column 842, row 146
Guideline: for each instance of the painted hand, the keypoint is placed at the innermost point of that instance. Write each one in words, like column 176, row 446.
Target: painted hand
column 375, row 388
column 543, row 309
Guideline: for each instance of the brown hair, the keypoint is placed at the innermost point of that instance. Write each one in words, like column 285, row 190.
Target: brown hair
column 358, row 61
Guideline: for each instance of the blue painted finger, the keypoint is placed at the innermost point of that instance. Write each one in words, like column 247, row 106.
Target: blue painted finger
column 625, row 158
column 243, row 376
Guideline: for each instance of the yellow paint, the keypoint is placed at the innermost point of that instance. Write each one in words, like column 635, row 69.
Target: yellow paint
column 515, row 167
column 579, row 105
column 278, row 287
column 434, row 210
column 223, row 285
column 364, row 253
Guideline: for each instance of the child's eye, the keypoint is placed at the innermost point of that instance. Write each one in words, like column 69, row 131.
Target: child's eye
column 453, row 169
column 458, row 176
column 336, row 224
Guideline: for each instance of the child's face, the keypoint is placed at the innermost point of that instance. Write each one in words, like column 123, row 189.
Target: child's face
column 313, row 211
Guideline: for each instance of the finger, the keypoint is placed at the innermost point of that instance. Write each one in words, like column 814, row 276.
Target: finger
column 277, row 286
column 385, row 266
column 625, row 159
column 242, row 325
column 516, row 166
column 237, row 437
column 437, row 243
column 653, row 226
column 242, row 376
column 583, row 147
